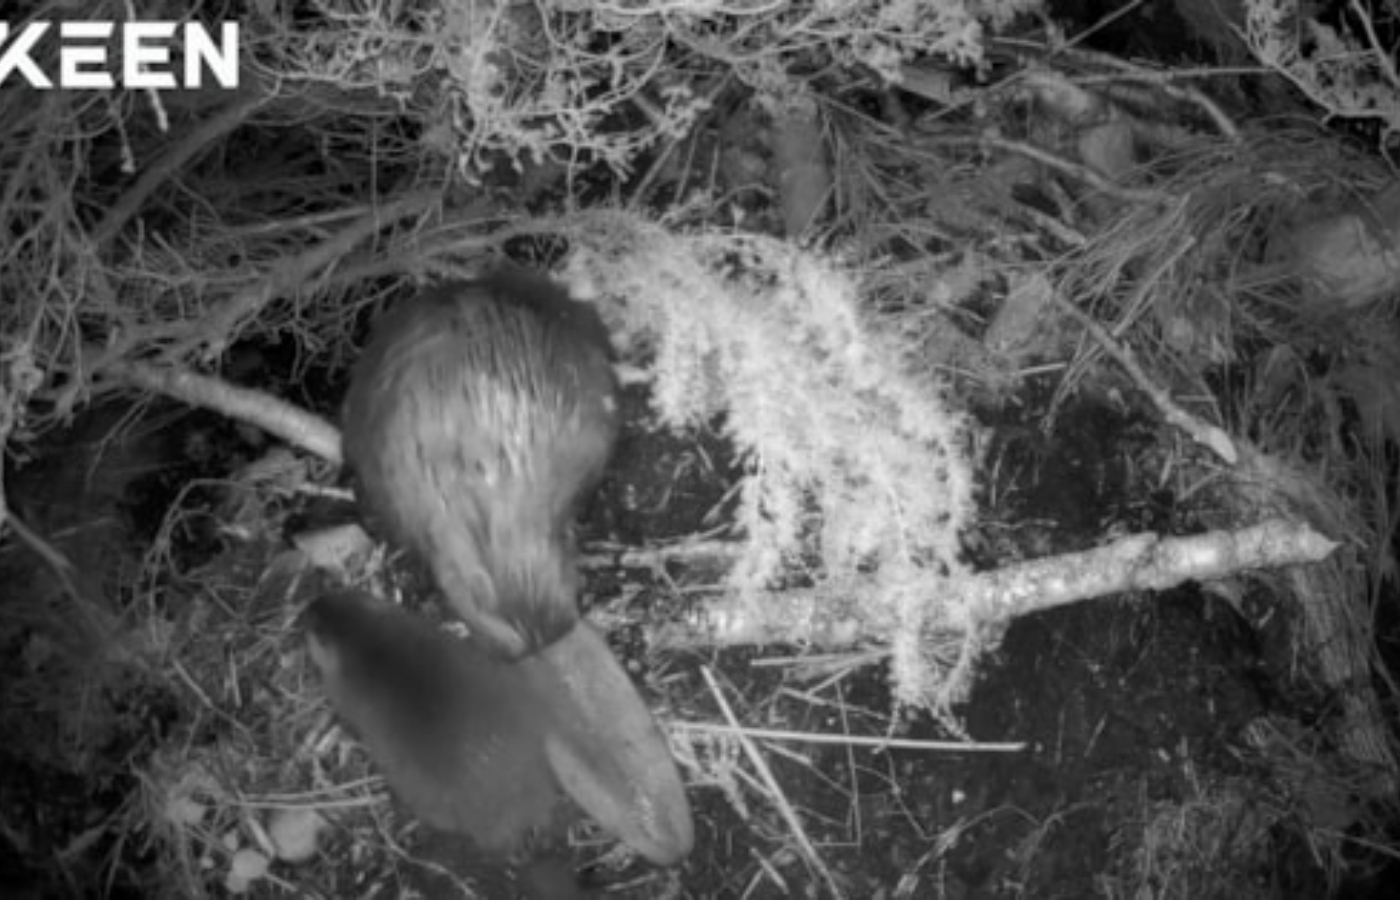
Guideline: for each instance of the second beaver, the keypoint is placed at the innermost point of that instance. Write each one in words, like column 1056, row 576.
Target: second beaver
column 457, row 733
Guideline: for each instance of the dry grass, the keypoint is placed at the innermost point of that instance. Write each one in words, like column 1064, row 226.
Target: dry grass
column 833, row 374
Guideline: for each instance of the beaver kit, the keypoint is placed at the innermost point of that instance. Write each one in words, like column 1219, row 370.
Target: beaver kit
column 478, row 418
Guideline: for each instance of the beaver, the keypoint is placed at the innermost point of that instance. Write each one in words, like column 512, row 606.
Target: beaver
column 478, row 417
column 453, row 730
column 480, row 746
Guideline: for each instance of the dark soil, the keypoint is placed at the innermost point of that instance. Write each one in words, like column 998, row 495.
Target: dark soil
column 1134, row 711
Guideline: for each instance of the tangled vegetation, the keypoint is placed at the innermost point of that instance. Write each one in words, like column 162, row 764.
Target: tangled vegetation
column 941, row 323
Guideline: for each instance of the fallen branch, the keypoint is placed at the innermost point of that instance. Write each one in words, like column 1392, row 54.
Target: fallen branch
column 292, row 424
column 830, row 617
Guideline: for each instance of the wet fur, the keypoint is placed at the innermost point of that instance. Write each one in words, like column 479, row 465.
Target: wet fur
column 478, row 417
column 455, row 731
column 481, row 746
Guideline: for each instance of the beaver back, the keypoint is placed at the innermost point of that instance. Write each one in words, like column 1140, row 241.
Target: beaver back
column 478, row 417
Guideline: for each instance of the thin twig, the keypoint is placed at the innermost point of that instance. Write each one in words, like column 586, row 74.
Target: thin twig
column 851, row 740
column 766, row 774
column 174, row 159
column 1083, row 173
column 1384, row 58
column 1199, row 430
column 219, row 328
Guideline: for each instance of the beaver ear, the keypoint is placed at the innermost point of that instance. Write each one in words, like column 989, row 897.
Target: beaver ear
column 606, row 750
